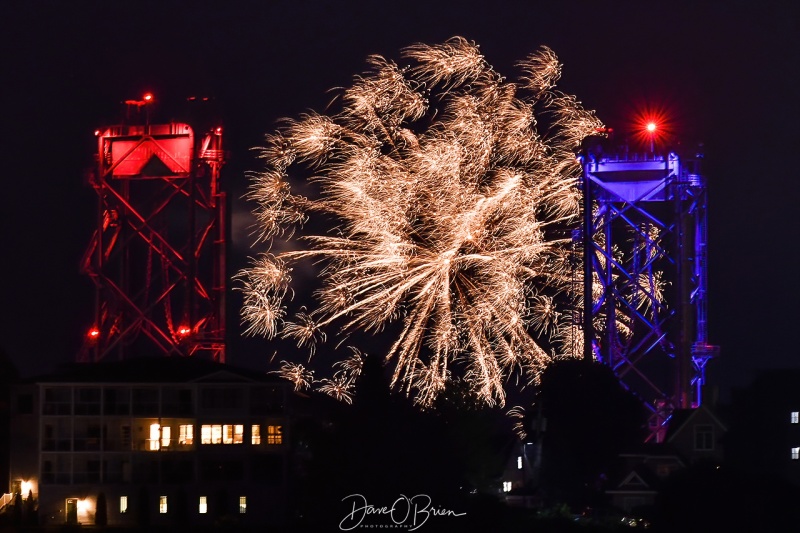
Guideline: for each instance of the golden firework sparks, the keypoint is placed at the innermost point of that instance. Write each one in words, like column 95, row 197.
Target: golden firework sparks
column 446, row 205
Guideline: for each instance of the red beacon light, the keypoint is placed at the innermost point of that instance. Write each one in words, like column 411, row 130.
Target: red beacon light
column 651, row 129
column 147, row 98
column 93, row 333
column 184, row 331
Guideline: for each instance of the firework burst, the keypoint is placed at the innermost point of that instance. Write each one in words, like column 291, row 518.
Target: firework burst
column 447, row 190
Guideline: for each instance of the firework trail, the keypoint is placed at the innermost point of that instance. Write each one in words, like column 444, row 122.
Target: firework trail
column 447, row 191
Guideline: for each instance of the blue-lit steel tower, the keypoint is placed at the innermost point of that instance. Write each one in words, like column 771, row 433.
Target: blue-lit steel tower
column 645, row 277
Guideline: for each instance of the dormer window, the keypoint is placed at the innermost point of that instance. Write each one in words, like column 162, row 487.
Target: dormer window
column 704, row 438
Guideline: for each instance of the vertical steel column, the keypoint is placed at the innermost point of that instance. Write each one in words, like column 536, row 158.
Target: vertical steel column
column 157, row 257
column 646, row 246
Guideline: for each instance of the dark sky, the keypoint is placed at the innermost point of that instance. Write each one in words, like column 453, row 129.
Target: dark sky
column 724, row 71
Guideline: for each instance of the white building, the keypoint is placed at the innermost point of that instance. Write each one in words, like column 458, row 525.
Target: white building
column 165, row 440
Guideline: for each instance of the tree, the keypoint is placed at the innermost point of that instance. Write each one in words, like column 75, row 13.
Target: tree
column 711, row 497
column 17, row 509
column 101, row 513
column 591, row 419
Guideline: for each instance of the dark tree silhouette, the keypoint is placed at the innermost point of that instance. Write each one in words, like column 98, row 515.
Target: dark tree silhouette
column 709, row 497
column 101, row 512
column 591, row 419
column 383, row 447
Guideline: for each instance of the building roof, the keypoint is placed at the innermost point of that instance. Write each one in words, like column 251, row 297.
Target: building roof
column 153, row 370
column 681, row 417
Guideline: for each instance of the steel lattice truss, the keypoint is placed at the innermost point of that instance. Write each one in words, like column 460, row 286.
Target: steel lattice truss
column 647, row 263
column 157, row 255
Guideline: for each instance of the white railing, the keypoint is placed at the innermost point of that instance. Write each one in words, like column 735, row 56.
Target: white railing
column 5, row 500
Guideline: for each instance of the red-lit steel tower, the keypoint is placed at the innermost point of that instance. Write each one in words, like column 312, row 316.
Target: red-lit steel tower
column 645, row 277
column 157, row 256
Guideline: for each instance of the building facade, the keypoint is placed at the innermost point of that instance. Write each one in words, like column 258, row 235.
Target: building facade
column 154, row 441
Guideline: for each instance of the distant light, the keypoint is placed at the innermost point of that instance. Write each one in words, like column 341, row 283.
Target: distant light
column 94, row 333
column 148, row 97
column 651, row 127
column 25, row 487
column 96, row 133
column 218, row 131
column 184, row 330
column 83, row 505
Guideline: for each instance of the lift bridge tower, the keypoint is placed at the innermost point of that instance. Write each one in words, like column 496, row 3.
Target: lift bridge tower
column 157, row 255
column 645, row 277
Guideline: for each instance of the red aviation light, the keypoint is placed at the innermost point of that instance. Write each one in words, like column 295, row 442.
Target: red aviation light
column 93, row 333
column 184, row 331
column 147, row 98
column 653, row 128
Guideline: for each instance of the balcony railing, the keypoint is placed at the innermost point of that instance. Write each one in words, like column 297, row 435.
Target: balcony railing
column 5, row 500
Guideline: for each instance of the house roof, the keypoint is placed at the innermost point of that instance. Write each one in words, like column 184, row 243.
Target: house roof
column 153, row 370
column 640, row 479
column 682, row 417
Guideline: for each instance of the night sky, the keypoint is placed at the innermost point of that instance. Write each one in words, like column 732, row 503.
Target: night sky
column 723, row 72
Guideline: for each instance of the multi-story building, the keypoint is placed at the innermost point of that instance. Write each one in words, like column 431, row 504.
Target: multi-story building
column 163, row 440
column 765, row 436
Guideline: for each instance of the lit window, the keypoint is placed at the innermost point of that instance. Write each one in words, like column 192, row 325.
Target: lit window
column 154, row 436
column 162, row 504
column 242, row 504
column 123, row 504
column 506, row 486
column 519, row 462
column 795, row 417
column 186, row 434
column 255, row 434
column 166, row 435
column 274, row 434
column 232, row 434
column 795, row 453
column 222, row 434
column 203, row 505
